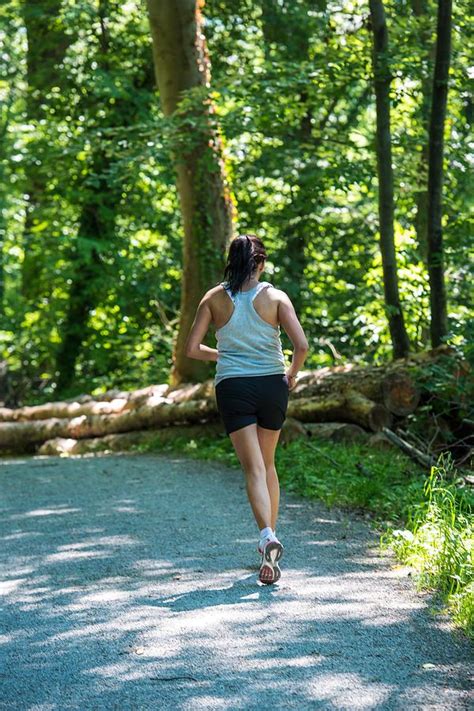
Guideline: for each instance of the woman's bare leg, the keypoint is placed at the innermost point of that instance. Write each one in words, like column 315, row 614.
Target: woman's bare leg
column 247, row 446
column 268, row 440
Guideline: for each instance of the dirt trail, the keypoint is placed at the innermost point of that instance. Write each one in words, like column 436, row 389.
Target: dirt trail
column 129, row 582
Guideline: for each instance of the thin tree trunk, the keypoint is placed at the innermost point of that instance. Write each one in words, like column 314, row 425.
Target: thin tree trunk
column 96, row 233
column 183, row 77
column 46, row 46
column 382, row 81
column 97, row 223
column 4, row 125
column 287, row 29
column 421, row 12
column 439, row 318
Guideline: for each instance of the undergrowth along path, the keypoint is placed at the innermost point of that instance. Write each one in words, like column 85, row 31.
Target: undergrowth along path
column 131, row 582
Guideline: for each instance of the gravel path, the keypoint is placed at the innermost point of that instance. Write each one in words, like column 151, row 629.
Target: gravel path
column 121, row 590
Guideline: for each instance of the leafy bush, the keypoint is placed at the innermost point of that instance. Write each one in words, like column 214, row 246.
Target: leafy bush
column 445, row 416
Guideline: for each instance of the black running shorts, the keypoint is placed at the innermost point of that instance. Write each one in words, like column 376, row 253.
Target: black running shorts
column 259, row 399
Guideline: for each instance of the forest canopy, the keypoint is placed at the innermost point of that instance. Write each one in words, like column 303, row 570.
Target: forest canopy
column 91, row 225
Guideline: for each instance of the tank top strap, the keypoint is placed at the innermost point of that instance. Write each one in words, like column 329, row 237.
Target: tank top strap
column 227, row 289
column 260, row 287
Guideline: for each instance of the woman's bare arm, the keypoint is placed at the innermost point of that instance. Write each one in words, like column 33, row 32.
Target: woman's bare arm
column 289, row 320
column 194, row 347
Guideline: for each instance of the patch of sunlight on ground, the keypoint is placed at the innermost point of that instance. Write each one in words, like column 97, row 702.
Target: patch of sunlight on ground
column 44, row 512
column 349, row 691
column 105, row 596
column 10, row 586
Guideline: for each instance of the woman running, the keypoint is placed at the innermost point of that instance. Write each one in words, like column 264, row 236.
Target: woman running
column 251, row 380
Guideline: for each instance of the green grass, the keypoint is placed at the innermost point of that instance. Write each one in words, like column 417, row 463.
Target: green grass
column 425, row 520
column 438, row 542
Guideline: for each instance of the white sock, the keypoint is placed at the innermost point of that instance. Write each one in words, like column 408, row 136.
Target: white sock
column 265, row 532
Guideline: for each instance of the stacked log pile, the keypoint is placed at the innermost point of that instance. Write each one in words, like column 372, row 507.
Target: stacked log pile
column 340, row 403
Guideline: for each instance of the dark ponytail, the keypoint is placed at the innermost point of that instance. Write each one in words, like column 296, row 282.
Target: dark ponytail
column 246, row 252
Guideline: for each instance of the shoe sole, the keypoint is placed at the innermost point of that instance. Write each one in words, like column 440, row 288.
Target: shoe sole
column 271, row 555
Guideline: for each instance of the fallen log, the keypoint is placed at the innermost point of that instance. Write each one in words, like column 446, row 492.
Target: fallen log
column 336, row 431
column 105, row 404
column 128, row 441
column 388, row 384
column 151, row 409
column 292, row 430
column 361, row 410
column 395, row 390
column 158, row 412
column 399, row 393
column 13, row 435
column 63, row 410
column 391, row 384
column 102, row 406
column 420, row 457
column 362, row 396
column 154, row 438
column 343, row 407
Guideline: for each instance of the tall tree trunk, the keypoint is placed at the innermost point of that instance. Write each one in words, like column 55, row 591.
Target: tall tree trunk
column 183, row 77
column 421, row 11
column 46, row 46
column 4, row 125
column 382, row 80
column 439, row 318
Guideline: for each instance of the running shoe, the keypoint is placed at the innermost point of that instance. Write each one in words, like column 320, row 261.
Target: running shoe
column 263, row 542
column 269, row 569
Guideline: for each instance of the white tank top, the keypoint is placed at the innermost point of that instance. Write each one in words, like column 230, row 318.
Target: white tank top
column 247, row 345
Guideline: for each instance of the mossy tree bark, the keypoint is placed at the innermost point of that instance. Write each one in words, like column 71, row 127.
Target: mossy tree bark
column 382, row 81
column 183, row 78
column 439, row 318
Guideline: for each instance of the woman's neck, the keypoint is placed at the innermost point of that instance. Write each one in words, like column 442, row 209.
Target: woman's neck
column 250, row 283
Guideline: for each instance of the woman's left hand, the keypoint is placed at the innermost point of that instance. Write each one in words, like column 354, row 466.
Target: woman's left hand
column 291, row 380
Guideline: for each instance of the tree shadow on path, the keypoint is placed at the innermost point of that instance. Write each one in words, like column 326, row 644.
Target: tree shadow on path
column 119, row 592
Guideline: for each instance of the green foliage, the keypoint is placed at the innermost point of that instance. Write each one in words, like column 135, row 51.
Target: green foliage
column 98, row 140
column 438, row 542
column 380, row 483
column 215, row 448
column 292, row 97
column 446, row 414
